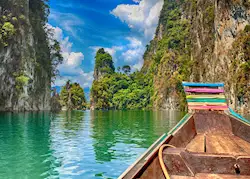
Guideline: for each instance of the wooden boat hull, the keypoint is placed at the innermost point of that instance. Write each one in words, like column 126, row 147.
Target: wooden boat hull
column 209, row 144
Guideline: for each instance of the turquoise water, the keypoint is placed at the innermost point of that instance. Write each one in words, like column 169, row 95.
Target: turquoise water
column 77, row 144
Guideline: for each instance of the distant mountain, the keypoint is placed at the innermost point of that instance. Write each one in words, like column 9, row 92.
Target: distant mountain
column 86, row 91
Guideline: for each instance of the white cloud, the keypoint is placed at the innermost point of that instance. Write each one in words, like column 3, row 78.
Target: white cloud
column 58, row 34
column 74, row 59
column 70, row 69
column 69, row 22
column 130, row 14
column 136, row 1
column 84, row 79
column 138, row 65
column 131, row 53
column 134, row 42
column 65, row 44
column 143, row 16
column 134, row 52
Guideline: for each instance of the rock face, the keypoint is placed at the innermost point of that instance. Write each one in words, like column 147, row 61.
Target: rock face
column 104, row 65
column 24, row 77
column 216, row 48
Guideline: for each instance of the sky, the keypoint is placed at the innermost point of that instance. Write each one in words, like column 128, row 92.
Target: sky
column 122, row 27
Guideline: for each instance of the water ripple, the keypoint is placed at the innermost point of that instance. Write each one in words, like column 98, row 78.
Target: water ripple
column 77, row 144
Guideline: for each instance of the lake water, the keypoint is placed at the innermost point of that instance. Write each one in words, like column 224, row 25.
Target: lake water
column 86, row 145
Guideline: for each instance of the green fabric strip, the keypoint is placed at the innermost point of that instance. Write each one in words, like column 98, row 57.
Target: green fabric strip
column 210, row 100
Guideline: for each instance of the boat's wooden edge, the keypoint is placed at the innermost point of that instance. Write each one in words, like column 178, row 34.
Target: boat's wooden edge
column 141, row 164
column 230, row 114
column 141, row 157
column 152, row 151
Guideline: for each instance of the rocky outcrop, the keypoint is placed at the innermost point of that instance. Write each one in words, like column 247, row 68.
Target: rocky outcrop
column 216, row 50
column 55, row 101
column 25, row 75
column 213, row 45
column 103, row 64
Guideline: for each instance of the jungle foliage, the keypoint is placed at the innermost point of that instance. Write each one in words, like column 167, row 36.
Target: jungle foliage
column 241, row 64
column 103, row 63
column 118, row 90
column 170, row 64
column 121, row 91
column 170, row 54
column 72, row 96
column 17, row 26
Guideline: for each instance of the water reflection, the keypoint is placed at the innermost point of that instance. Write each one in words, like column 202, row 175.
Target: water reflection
column 69, row 142
column 25, row 145
column 125, row 134
column 90, row 144
column 71, row 122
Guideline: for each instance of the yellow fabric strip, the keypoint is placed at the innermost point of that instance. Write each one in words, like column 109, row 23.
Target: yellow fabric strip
column 206, row 96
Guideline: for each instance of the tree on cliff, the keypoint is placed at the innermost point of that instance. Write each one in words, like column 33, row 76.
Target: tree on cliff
column 103, row 64
column 72, row 96
column 126, row 69
column 121, row 91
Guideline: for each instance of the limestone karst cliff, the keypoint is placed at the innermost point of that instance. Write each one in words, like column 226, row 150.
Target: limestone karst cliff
column 27, row 59
column 201, row 41
column 103, row 64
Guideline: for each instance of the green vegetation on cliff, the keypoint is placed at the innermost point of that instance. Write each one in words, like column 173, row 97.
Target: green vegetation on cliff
column 103, row 64
column 119, row 91
column 48, row 51
column 196, row 40
column 116, row 90
column 7, row 30
column 167, row 64
column 200, row 41
column 72, row 97
column 241, row 65
column 168, row 57
column 29, row 56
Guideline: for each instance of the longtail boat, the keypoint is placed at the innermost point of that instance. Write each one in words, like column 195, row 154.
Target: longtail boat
column 211, row 141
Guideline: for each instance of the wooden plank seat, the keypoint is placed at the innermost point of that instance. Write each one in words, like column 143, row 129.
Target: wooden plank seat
column 214, row 148
column 219, row 144
column 175, row 163
column 180, row 162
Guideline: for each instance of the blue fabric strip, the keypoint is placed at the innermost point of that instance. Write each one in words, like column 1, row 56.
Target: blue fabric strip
column 203, row 84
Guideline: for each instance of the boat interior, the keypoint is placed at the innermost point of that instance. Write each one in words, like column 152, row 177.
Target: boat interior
column 209, row 143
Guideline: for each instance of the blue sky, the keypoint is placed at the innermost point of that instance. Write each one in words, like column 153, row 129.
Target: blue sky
column 122, row 27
